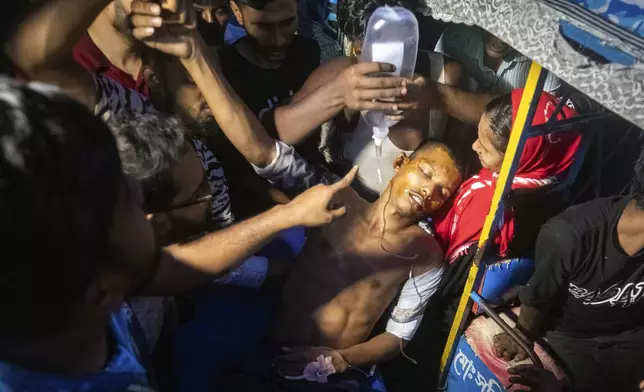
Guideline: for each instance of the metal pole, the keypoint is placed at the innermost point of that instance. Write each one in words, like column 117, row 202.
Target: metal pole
column 522, row 122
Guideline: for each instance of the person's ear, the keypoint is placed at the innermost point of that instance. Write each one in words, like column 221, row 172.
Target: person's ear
column 400, row 161
column 237, row 12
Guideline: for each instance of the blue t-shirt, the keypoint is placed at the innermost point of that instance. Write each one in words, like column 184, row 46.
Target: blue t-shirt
column 123, row 373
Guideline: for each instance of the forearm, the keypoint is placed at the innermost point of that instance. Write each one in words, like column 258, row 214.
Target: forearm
column 374, row 351
column 531, row 322
column 294, row 122
column 201, row 261
column 240, row 125
column 462, row 105
column 45, row 39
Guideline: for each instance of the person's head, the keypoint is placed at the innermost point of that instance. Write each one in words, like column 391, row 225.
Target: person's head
column 213, row 11
column 426, row 179
column 546, row 156
column 353, row 17
column 74, row 238
column 495, row 48
column 176, row 193
column 270, row 24
column 177, row 93
column 494, row 133
column 638, row 181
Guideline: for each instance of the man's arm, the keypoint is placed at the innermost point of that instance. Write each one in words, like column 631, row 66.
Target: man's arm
column 374, row 351
column 336, row 85
column 554, row 258
column 460, row 104
column 42, row 45
column 188, row 266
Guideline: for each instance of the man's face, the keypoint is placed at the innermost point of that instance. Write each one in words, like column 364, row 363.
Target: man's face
column 189, row 103
column 272, row 29
column 490, row 157
column 188, row 213
column 495, row 48
column 132, row 239
column 213, row 10
column 422, row 184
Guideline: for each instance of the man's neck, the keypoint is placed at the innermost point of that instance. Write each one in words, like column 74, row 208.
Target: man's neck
column 115, row 46
column 245, row 49
column 630, row 229
column 75, row 351
column 382, row 215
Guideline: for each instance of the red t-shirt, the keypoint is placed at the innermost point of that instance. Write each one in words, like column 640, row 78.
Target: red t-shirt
column 90, row 57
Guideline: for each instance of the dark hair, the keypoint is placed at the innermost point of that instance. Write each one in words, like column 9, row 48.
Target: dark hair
column 455, row 154
column 353, row 15
column 254, row 4
column 60, row 177
column 499, row 111
column 638, row 181
column 150, row 146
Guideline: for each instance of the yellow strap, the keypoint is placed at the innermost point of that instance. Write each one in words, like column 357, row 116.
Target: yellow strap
column 504, row 176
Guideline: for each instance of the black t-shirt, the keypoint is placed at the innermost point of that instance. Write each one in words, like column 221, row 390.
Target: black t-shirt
column 262, row 90
column 581, row 268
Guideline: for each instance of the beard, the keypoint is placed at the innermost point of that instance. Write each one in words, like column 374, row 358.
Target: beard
column 122, row 19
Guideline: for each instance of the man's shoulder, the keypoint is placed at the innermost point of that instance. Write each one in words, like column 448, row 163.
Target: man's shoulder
column 461, row 37
column 584, row 219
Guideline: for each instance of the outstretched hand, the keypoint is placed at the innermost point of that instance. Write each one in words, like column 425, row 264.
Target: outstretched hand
column 319, row 205
column 167, row 27
column 505, row 347
column 537, row 379
column 294, row 359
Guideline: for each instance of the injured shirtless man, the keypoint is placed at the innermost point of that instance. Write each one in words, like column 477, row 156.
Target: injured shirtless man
column 350, row 271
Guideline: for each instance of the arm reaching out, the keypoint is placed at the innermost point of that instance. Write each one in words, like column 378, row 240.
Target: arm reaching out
column 333, row 87
column 191, row 265
column 372, row 352
column 460, row 104
column 240, row 125
column 42, row 45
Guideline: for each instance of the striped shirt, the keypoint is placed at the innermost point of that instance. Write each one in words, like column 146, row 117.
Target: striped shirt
column 466, row 44
column 112, row 98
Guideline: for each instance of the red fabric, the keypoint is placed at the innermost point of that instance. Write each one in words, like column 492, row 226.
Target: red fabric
column 543, row 161
column 90, row 57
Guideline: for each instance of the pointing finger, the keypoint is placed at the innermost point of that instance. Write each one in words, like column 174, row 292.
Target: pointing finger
column 346, row 181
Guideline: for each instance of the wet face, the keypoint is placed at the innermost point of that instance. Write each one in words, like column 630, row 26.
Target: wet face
column 188, row 213
column 490, row 157
column 271, row 29
column 422, row 184
column 495, row 48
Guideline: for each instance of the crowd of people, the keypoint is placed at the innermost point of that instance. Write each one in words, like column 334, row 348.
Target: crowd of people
column 194, row 204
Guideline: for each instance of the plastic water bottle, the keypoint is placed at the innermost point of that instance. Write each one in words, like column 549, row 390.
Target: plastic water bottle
column 392, row 37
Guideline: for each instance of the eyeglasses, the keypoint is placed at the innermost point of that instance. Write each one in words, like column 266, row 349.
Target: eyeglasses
column 191, row 203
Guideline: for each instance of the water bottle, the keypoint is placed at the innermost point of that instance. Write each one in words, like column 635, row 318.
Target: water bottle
column 392, row 37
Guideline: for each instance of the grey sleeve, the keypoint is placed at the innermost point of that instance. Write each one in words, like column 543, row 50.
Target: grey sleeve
column 290, row 172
